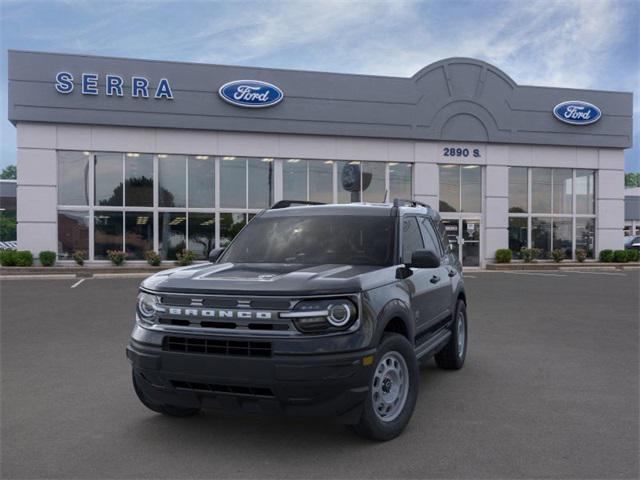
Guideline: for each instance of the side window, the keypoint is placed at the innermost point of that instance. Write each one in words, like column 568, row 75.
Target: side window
column 431, row 241
column 411, row 238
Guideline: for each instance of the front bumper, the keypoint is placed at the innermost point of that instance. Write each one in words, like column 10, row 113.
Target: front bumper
column 324, row 384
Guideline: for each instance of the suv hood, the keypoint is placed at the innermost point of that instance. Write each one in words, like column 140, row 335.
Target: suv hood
column 270, row 279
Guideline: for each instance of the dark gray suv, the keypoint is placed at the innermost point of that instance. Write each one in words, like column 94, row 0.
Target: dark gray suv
column 311, row 310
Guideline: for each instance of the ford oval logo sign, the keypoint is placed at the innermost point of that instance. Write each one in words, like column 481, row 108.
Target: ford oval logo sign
column 577, row 112
column 251, row 93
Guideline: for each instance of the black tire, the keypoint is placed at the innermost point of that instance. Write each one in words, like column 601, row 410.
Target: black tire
column 450, row 357
column 371, row 425
column 169, row 410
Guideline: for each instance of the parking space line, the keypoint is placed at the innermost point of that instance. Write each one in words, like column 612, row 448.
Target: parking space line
column 599, row 273
column 469, row 276
column 78, row 283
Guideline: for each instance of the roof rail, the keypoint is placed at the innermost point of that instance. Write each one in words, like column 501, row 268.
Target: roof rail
column 401, row 202
column 293, row 203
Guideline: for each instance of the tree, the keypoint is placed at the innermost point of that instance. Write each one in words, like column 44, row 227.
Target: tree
column 9, row 173
column 632, row 180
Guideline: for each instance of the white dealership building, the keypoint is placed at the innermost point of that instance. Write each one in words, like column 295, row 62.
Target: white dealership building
column 141, row 155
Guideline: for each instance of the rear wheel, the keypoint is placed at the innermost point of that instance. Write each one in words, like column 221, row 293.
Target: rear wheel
column 169, row 410
column 452, row 356
column 393, row 390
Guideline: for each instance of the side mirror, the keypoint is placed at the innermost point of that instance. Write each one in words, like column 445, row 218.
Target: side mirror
column 424, row 259
column 215, row 254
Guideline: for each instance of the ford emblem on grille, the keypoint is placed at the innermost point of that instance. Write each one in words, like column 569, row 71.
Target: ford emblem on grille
column 250, row 93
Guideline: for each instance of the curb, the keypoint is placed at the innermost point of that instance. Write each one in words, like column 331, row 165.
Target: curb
column 561, row 266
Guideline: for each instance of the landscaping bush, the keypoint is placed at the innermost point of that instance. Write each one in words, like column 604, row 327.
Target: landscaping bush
column 186, row 257
column 526, row 254
column 620, row 256
column 606, row 256
column 80, row 256
column 558, row 255
column 117, row 257
column 24, row 258
column 633, row 255
column 8, row 258
column 152, row 258
column 581, row 254
column 503, row 255
column 47, row 258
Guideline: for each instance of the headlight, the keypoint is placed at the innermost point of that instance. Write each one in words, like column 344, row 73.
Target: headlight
column 310, row 316
column 147, row 307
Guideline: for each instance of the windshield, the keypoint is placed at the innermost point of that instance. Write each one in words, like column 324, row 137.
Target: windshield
column 315, row 240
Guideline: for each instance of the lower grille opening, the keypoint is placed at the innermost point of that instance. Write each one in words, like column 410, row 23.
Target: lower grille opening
column 217, row 347
column 231, row 389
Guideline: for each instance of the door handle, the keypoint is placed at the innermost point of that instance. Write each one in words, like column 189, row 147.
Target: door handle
column 435, row 279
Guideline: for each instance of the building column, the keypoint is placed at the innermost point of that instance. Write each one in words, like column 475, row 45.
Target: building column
column 496, row 210
column 610, row 200
column 37, row 188
column 426, row 183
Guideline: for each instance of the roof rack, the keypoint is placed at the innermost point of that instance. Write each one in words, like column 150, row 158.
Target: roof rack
column 401, row 202
column 293, row 203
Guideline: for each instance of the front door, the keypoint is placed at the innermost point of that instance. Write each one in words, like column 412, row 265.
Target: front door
column 464, row 237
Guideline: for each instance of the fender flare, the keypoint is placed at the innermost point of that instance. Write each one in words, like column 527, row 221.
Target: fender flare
column 395, row 309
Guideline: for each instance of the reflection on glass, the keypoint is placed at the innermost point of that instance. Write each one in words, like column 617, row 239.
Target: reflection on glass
column 107, row 232
column 562, row 233
column 73, row 178
column 562, row 190
column 373, row 181
column 172, row 231
column 202, row 182
column 451, row 232
column 541, row 235
column 518, row 190
column 541, row 190
column 471, row 188
column 108, row 179
column 585, row 191
column 138, row 176
column 233, row 182
column 138, row 238
column 321, row 181
column 517, row 235
column 400, row 180
column 449, row 188
column 172, row 189
column 73, row 233
column 294, row 179
column 230, row 226
column 202, row 233
column 585, row 235
column 348, row 181
column 260, row 182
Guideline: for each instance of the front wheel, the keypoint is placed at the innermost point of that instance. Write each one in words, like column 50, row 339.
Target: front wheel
column 393, row 390
column 452, row 356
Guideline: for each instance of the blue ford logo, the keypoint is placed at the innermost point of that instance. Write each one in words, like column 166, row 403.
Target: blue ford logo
column 250, row 93
column 576, row 112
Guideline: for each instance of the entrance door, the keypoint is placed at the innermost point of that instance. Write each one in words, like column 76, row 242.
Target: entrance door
column 464, row 237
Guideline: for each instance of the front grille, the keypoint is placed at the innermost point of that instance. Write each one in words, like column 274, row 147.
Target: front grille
column 208, row 346
column 231, row 389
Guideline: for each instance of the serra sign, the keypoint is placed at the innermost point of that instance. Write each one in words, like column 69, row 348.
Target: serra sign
column 113, row 85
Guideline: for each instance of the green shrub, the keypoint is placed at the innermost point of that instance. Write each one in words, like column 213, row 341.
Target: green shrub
column 47, row 258
column 152, row 258
column 581, row 254
column 24, row 258
column 79, row 256
column 117, row 257
column 526, row 254
column 8, row 258
column 620, row 256
column 558, row 255
column 633, row 255
column 503, row 255
column 186, row 257
column 606, row 255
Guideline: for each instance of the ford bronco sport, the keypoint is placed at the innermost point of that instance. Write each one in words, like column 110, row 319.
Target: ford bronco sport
column 311, row 310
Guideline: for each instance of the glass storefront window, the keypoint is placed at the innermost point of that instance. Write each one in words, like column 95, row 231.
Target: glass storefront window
column 138, row 177
column 449, row 188
column 233, row 182
column 585, row 192
column 107, row 233
column 518, row 190
column 294, row 179
column 230, row 226
column 562, row 235
column 202, row 176
column 202, row 233
column 108, row 179
column 562, row 190
column 73, row 233
column 400, row 180
column 172, row 231
column 73, row 178
column 321, row 181
column 172, row 185
column 585, row 235
column 373, row 181
column 517, row 235
column 541, row 235
column 541, row 190
column 471, row 188
column 138, row 236
column 349, row 186
column 260, row 182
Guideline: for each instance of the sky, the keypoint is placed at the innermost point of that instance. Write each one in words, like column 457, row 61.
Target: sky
column 566, row 43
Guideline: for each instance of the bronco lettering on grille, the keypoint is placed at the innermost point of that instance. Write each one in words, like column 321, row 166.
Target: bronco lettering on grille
column 215, row 313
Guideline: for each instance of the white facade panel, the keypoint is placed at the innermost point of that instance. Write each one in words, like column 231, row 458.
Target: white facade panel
column 250, row 145
column 400, row 151
column 361, row 149
column 307, row 146
column 36, row 135
column 609, row 182
column 123, row 139
column 612, row 158
column 37, row 167
column 36, row 203
column 497, row 181
column 37, row 237
column 610, row 214
column 73, row 137
column 190, row 142
column 425, row 179
column 494, row 239
column 496, row 215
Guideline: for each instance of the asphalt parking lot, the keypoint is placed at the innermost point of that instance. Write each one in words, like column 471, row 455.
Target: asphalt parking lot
column 550, row 389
